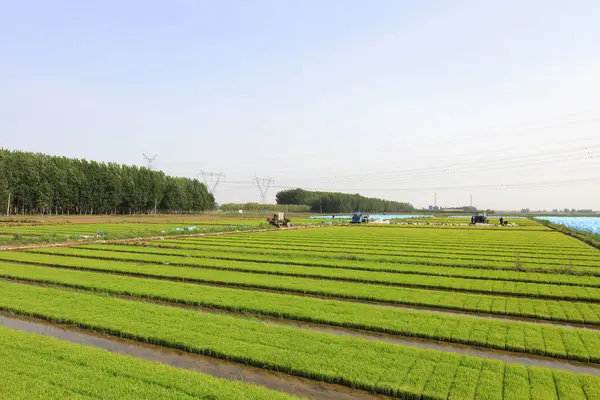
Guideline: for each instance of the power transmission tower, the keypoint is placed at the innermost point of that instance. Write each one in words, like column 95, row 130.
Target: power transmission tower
column 211, row 180
column 149, row 160
column 263, row 185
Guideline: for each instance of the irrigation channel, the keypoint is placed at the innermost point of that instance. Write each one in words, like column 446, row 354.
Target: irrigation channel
column 212, row 366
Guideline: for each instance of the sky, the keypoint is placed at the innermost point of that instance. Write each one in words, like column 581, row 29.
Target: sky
column 408, row 101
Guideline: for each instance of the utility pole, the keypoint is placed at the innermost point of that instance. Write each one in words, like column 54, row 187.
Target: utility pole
column 8, row 205
column 150, row 166
column 149, row 160
column 471, row 200
column 263, row 185
column 434, row 199
column 211, row 180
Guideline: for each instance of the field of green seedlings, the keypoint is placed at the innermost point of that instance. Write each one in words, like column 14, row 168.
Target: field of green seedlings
column 36, row 367
column 400, row 310
column 57, row 229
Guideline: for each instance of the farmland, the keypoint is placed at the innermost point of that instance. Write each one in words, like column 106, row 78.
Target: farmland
column 23, row 230
column 432, row 309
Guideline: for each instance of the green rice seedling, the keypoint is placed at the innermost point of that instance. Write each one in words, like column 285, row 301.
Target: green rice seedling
column 489, row 386
column 371, row 365
column 537, row 339
column 191, row 258
column 38, row 367
column 568, row 386
column 465, row 383
column 550, row 291
column 516, row 382
column 542, row 385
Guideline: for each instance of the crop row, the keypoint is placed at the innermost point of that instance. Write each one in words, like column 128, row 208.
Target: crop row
column 566, row 311
column 411, row 225
column 310, row 259
column 492, row 259
column 505, row 237
column 36, row 367
column 576, row 344
column 464, row 248
column 441, row 236
column 315, row 275
column 368, row 272
column 483, row 254
column 474, row 262
column 372, row 365
column 510, row 243
column 513, row 245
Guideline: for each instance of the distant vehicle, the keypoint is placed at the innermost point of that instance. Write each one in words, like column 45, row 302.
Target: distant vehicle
column 279, row 220
column 359, row 218
column 480, row 217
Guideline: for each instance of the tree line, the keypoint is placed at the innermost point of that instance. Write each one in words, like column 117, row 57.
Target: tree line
column 34, row 183
column 250, row 207
column 336, row 202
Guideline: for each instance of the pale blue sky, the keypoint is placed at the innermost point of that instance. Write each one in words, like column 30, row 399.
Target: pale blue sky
column 394, row 99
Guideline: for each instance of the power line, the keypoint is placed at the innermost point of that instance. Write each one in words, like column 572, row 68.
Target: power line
column 549, row 183
column 263, row 185
column 211, row 180
column 149, row 160
column 581, row 153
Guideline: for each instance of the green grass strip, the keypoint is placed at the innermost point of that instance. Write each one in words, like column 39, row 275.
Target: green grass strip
column 566, row 311
column 425, row 252
column 575, row 344
column 524, row 289
column 486, row 252
column 37, row 367
column 441, row 260
column 372, row 365
column 174, row 257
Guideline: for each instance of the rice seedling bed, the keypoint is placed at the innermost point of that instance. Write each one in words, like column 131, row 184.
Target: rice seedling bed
column 376, row 366
column 227, row 271
column 567, row 311
column 461, row 248
column 560, row 342
column 341, row 269
column 441, row 259
column 422, row 250
column 38, row 367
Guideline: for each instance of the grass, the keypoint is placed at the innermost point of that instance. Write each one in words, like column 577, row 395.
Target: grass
column 228, row 273
column 37, row 367
column 372, row 365
column 576, row 344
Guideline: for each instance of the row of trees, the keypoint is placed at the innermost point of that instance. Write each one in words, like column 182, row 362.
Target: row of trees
column 336, row 202
column 235, row 207
column 33, row 183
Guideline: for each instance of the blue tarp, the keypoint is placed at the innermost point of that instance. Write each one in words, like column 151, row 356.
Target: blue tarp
column 590, row 224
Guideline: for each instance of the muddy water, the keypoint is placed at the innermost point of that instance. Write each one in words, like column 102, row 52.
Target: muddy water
column 506, row 356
